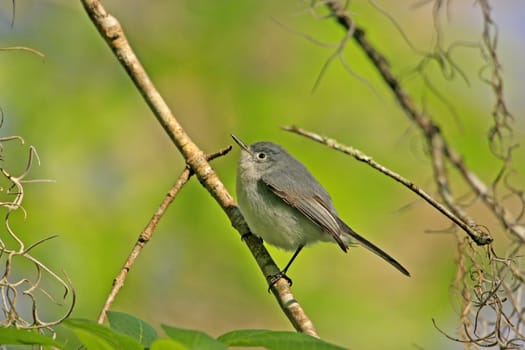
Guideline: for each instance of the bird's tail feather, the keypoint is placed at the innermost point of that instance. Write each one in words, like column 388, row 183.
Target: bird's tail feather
column 373, row 248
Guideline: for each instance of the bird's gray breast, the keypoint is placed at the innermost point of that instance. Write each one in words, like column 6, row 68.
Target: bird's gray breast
column 270, row 218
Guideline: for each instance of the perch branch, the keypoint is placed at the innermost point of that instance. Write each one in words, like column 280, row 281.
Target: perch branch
column 110, row 29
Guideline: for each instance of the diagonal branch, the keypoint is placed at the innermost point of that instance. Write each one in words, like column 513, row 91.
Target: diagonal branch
column 143, row 239
column 478, row 236
column 110, row 29
column 147, row 233
column 437, row 143
column 490, row 287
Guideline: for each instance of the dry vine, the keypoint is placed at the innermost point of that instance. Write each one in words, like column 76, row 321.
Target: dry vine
column 489, row 285
column 19, row 287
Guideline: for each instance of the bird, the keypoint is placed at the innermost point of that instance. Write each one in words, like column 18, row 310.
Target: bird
column 287, row 207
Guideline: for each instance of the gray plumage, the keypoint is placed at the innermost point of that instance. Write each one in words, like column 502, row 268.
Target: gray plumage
column 287, row 207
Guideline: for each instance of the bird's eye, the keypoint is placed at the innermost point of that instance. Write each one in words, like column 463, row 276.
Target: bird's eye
column 261, row 155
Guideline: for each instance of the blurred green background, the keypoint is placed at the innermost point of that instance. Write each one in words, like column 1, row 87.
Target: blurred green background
column 228, row 67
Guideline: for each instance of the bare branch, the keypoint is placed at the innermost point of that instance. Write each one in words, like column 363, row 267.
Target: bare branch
column 431, row 131
column 113, row 34
column 490, row 287
column 478, row 236
column 146, row 235
column 144, row 238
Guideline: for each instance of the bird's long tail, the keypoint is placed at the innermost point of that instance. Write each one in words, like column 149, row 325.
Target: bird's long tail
column 373, row 248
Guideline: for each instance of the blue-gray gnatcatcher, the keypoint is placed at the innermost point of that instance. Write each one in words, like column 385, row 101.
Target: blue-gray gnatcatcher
column 285, row 205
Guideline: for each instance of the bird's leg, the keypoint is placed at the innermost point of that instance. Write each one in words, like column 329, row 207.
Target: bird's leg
column 282, row 274
column 291, row 260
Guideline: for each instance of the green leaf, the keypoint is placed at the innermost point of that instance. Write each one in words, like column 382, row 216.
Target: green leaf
column 167, row 344
column 97, row 337
column 132, row 326
column 14, row 336
column 275, row 340
column 193, row 339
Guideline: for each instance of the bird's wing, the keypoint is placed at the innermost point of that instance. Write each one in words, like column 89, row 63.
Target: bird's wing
column 311, row 206
column 318, row 209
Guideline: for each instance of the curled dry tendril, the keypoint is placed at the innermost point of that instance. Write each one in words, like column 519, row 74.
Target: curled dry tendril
column 22, row 290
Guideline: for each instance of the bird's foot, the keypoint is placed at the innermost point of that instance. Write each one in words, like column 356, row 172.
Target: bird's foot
column 272, row 279
column 246, row 235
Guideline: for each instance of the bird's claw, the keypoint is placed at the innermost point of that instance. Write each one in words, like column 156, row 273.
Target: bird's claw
column 272, row 279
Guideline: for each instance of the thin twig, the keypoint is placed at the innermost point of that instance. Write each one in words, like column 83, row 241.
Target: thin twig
column 147, row 233
column 23, row 48
column 144, row 238
column 471, row 229
column 110, row 29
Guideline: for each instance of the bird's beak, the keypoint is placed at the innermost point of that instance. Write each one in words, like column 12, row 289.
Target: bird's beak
column 241, row 144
